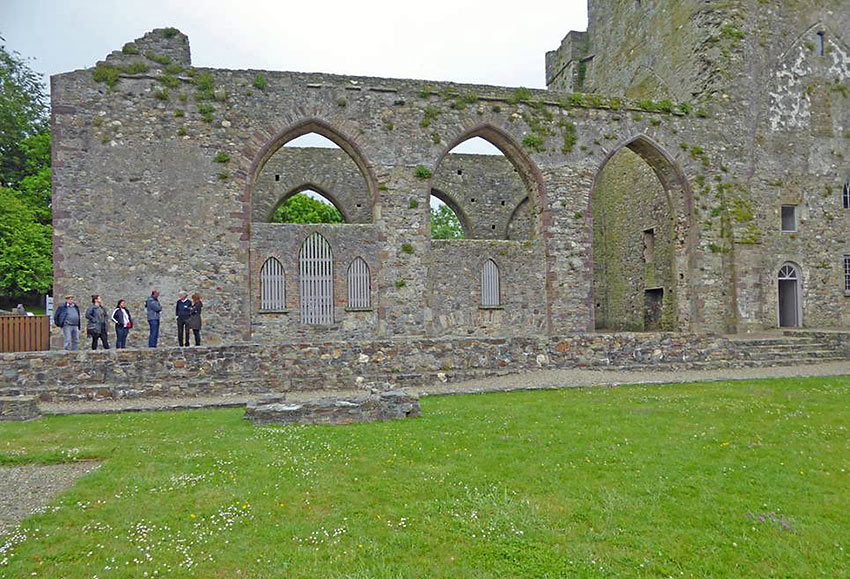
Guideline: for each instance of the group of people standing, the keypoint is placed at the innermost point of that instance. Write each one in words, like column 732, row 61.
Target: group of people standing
column 67, row 317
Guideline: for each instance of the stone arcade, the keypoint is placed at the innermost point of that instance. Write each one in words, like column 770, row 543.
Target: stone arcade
column 684, row 158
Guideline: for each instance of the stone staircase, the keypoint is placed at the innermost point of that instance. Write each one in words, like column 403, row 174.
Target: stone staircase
column 787, row 350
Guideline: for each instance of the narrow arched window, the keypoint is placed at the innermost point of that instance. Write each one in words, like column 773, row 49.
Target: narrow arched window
column 272, row 285
column 490, row 284
column 845, row 195
column 316, row 281
column 359, row 288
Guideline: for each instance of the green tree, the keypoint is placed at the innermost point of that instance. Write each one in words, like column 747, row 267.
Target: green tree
column 445, row 223
column 23, row 114
column 25, row 180
column 301, row 208
column 25, row 248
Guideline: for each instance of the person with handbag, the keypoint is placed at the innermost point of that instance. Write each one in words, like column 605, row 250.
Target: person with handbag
column 123, row 322
column 195, row 319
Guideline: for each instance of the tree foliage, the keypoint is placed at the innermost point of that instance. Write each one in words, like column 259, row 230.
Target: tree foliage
column 302, row 208
column 445, row 223
column 25, row 180
column 25, row 248
column 23, row 113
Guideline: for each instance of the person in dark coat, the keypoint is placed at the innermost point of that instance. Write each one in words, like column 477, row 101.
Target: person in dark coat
column 123, row 322
column 68, row 317
column 153, row 309
column 96, row 323
column 195, row 319
column 183, row 310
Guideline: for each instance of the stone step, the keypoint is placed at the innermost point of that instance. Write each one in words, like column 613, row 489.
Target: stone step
column 721, row 364
column 781, row 346
column 792, row 355
column 756, row 342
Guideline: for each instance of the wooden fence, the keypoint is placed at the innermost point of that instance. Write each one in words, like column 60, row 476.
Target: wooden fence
column 24, row 333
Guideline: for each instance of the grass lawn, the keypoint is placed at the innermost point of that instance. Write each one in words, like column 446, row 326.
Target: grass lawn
column 744, row 479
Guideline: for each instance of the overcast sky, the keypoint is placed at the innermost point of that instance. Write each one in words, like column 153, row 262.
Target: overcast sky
column 486, row 42
column 490, row 42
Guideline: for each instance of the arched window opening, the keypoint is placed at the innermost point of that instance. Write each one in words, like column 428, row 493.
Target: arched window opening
column 272, row 286
column 445, row 222
column 845, row 196
column 481, row 186
column 310, row 179
column 490, row 285
column 790, row 304
column 634, row 280
column 307, row 206
column 316, row 281
column 359, row 285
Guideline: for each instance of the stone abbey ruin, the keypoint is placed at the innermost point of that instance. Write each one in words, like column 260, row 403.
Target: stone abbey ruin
column 686, row 173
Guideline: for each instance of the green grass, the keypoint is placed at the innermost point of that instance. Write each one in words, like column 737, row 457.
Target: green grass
column 688, row 481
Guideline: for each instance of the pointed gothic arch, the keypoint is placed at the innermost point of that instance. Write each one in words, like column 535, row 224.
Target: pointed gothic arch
column 513, row 152
column 680, row 294
column 298, row 189
column 319, row 127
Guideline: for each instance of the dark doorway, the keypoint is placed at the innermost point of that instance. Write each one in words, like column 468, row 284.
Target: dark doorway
column 789, row 297
column 653, row 306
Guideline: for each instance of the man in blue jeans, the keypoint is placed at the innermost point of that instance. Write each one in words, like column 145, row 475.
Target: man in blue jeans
column 153, row 308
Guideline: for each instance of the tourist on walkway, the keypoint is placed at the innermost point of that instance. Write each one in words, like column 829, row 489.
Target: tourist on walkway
column 123, row 322
column 96, row 323
column 183, row 312
column 68, row 317
column 153, row 308
column 195, row 319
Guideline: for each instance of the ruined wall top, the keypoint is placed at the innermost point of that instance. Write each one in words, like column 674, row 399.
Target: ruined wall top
column 158, row 48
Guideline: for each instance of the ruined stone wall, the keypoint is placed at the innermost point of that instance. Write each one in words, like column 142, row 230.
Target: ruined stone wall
column 283, row 242
column 244, row 369
column 485, row 192
column 781, row 111
column 628, row 201
column 455, row 279
column 656, row 49
column 330, row 172
column 803, row 140
column 142, row 146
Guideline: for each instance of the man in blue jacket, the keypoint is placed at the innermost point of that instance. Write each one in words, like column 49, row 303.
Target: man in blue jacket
column 153, row 308
column 183, row 312
column 67, row 317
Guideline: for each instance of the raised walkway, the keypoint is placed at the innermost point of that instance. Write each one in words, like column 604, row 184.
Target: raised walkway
column 536, row 380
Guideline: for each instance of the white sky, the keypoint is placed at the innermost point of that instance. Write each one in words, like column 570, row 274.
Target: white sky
column 492, row 42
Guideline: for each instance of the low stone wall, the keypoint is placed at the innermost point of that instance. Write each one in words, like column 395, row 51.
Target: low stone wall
column 18, row 408
column 252, row 369
column 365, row 407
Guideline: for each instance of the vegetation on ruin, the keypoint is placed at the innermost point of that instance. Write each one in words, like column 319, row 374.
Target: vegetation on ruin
column 158, row 58
column 206, row 110
column 260, row 82
column 742, row 479
column 422, row 172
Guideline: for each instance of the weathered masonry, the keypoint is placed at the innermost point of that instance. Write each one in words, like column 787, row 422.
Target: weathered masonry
column 686, row 170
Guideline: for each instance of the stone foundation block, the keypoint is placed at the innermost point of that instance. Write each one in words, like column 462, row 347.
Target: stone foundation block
column 18, row 408
column 360, row 408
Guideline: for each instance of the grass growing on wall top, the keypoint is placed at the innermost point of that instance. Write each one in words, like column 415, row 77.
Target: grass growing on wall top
column 745, row 479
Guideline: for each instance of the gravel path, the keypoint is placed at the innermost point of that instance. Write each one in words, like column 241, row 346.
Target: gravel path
column 24, row 489
column 539, row 380
column 572, row 378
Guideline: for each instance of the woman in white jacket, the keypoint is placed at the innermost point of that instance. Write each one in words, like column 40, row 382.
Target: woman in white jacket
column 123, row 322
